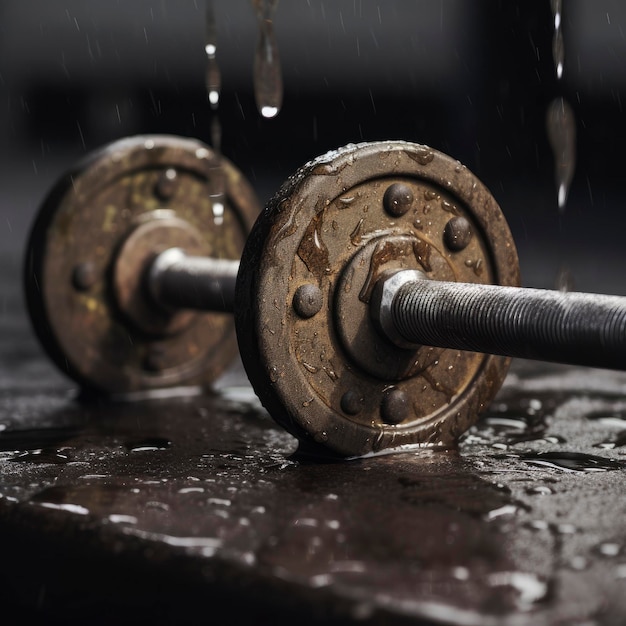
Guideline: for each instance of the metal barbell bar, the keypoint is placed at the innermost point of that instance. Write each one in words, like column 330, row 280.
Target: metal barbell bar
column 563, row 327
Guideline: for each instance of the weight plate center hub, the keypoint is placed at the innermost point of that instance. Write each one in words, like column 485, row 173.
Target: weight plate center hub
column 308, row 341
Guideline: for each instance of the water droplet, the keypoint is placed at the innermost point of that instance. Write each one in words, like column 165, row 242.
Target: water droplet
column 579, row 563
column 422, row 154
column 122, row 519
column 355, row 235
column 312, row 249
column 540, row 490
column 558, row 48
column 191, row 490
column 507, row 509
column 219, row 501
column 564, row 280
column 320, row 580
column 609, row 549
column 461, row 573
column 530, row 589
column 57, row 457
column 609, row 444
column 70, row 508
column 149, row 444
column 566, row 529
column 268, row 82
column 561, row 127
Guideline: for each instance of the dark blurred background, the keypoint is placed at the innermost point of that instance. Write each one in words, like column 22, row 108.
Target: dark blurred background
column 470, row 78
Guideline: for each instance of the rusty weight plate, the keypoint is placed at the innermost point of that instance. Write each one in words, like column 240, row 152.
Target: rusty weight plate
column 96, row 232
column 306, row 336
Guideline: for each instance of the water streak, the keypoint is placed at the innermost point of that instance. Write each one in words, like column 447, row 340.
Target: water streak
column 213, row 76
column 268, row 82
column 558, row 49
column 217, row 189
column 560, row 119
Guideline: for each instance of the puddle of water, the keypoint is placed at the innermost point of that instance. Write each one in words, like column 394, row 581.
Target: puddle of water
column 570, row 461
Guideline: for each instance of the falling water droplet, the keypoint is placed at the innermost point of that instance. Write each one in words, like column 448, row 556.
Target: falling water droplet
column 561, row 126
column 268, row 82
column 213, row 76
column 213, row 85
column 558, row 49
column 565, row 280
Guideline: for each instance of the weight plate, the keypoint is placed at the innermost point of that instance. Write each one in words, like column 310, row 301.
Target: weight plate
column 306, row 337
column 96, row 232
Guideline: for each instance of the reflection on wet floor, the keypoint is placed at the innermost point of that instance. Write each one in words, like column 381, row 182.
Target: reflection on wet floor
column 510, row 525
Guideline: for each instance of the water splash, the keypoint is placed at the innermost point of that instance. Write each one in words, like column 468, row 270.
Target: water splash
column 561, row 127
column 268, row 82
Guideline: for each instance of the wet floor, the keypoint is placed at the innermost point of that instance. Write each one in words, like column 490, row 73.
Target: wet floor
column 189, row 507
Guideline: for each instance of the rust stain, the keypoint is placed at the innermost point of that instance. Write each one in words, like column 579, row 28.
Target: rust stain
column 422, row 250
column 385, row 251
column 285, row 227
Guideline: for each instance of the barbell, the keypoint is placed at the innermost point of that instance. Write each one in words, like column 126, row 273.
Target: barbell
column 376, row 302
